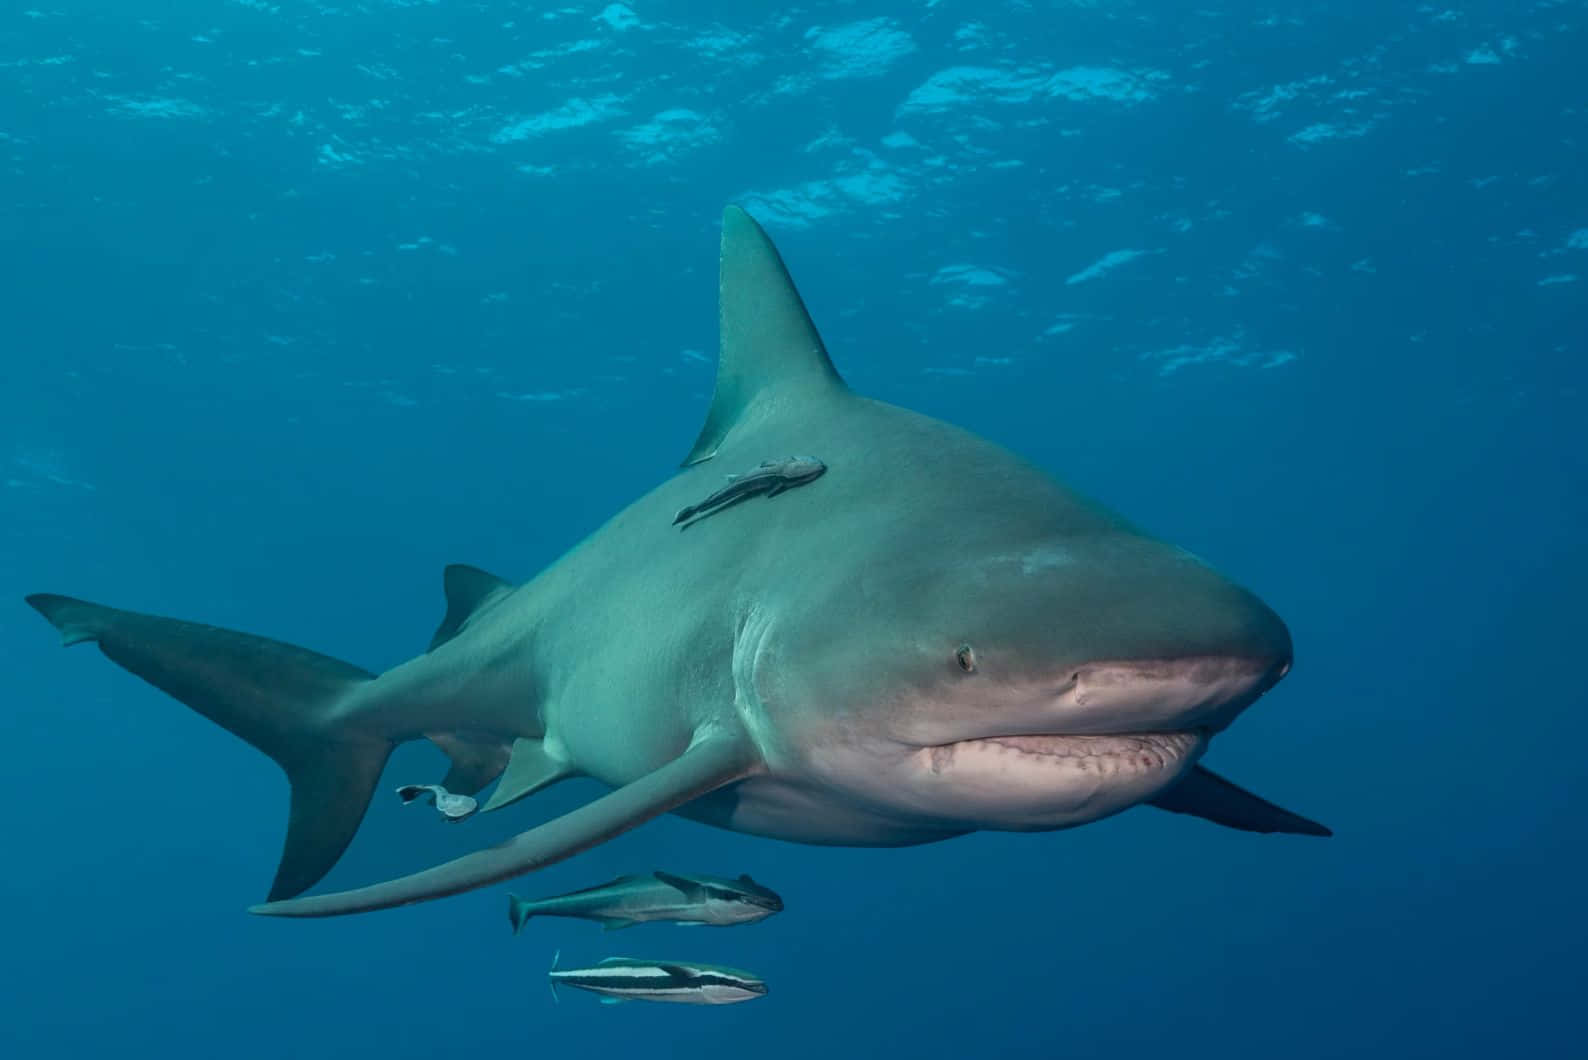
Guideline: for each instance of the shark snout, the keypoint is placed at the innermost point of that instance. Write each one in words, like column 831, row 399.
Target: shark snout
column 1199, row 655
column 1197, row 692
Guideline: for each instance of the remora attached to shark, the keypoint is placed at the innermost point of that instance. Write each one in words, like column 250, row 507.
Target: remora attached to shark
column 932, row 638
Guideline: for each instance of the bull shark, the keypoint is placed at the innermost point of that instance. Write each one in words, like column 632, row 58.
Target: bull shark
column 933, row 638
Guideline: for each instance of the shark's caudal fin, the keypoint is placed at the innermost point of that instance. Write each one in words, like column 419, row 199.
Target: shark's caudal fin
column 770, row 351
column 1203, row 793
column 279, row 698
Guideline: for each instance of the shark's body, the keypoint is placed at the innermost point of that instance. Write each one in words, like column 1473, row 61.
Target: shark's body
column 932, row 637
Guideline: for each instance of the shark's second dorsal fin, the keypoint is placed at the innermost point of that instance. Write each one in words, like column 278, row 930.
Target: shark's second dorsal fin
column 769, row 347
column 469, row 591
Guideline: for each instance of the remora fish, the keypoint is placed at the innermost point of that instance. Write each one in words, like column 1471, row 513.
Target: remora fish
column 630, row 900
column 948, row 640
column 453, row 807
column 681, row 982
column 771, row 477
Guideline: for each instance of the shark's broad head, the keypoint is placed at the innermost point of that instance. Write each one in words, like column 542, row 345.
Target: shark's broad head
column 975, row 678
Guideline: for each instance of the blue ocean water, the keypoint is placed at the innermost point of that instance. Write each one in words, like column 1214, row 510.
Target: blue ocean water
column 302, row 301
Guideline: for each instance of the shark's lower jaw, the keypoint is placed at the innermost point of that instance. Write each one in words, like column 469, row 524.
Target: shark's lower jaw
column 1024, row 782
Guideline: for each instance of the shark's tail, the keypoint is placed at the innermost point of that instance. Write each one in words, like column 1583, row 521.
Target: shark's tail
column 279, row 698
column 518, row 911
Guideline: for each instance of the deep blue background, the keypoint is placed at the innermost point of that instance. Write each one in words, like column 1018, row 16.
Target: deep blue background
column 299, row 303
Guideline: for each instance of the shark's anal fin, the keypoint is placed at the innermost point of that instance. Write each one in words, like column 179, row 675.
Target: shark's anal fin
column 470, row 591
column 477, row 759
column 1203, row 793
column 769, row 346
column 529, row 769
column 711, row 763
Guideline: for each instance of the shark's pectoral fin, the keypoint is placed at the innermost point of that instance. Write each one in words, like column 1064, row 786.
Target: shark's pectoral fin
column 1203, row 793
column 709, row 764
column 528, row 770
column 469, row 592
column 477, row 759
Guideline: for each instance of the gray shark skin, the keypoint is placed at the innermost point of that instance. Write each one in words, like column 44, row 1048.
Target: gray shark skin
column 659, row 896
column 932, row 638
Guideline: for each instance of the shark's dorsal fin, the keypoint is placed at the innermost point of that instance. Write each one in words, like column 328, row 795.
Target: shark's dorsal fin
column 769, row 348
column 469, row 590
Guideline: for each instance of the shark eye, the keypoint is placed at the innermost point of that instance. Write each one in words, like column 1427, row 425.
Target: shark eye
column 966, row 658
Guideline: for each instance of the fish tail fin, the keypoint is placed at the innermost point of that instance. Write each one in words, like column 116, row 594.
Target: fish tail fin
column 518, row 911
column 282, row 699
column 552, row 982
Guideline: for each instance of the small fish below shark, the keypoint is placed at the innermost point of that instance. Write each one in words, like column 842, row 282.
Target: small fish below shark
column 659, row 896
column 620, row 979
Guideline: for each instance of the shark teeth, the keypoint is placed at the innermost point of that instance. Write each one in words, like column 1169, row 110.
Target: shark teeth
column 1146, row 751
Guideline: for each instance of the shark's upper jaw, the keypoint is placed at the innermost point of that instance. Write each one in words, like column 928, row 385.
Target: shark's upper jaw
column 1116, row 697
column 1132, row 695
column 1104, row 736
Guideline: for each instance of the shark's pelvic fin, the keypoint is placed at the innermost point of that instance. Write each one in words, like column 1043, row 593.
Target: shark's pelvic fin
column 469, row 592
column 528, row 770
column 770, row 350
column 280, row 698
column 1203, row 793
column 477, row 759
column 709, row 764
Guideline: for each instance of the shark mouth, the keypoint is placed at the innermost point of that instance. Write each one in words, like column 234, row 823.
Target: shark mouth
column 1136, row 753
